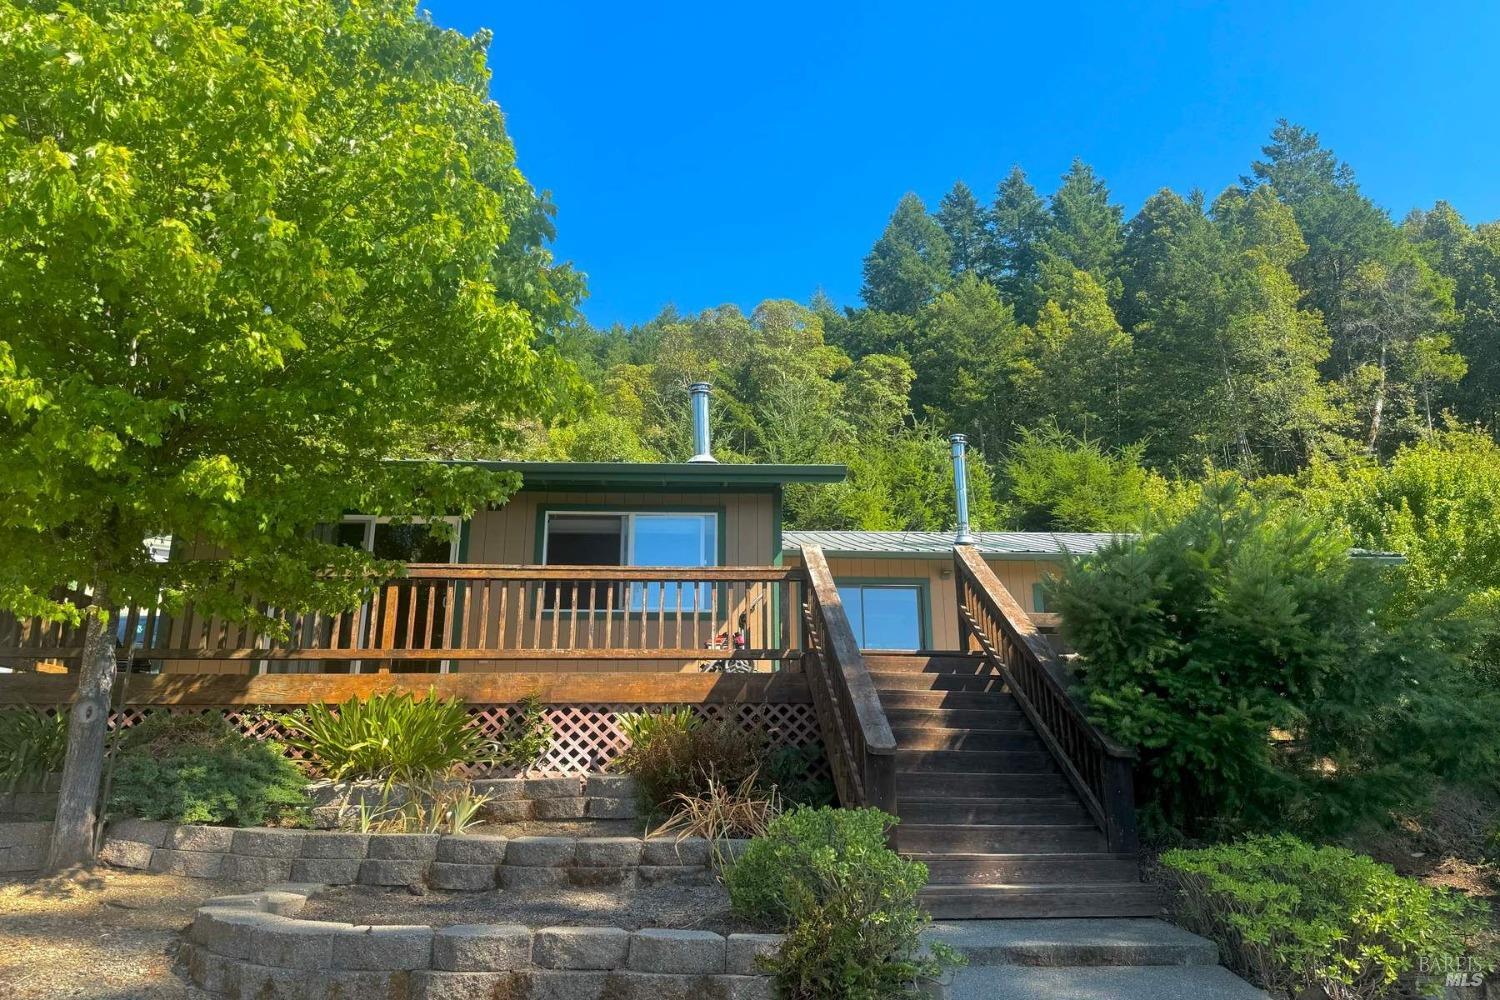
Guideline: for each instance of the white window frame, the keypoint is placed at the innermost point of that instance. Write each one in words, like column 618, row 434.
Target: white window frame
column 368, row 544
column 370, row 521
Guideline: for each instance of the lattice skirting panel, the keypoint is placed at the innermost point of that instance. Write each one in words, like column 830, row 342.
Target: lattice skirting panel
column 585, row 738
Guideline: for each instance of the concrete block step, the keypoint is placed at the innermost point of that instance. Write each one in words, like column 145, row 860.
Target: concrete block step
column 1071, row 942
column 1030, row 838
column 1074, row 899
column 1095, row 983
column 975, row 761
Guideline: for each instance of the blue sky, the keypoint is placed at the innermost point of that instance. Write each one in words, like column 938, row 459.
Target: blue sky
column 700, row 154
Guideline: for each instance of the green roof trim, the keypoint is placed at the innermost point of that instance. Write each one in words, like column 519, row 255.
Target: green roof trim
column 668, row 475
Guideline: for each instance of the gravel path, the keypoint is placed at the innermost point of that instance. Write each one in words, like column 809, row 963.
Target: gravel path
column 101, row 935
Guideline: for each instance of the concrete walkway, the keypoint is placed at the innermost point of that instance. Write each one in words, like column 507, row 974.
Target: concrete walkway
column 1150, row 982
column 1115, row 959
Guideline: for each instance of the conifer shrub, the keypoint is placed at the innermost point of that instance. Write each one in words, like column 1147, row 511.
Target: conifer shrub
column 1266, row 677
column 1291, row 915
column 198, row 769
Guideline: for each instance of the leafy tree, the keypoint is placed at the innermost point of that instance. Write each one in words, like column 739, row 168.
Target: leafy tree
column 900, row 483
column 248, row 252
column 964, row 222
column 1399, row 347
column 877, row 396
column 1074, row 363
column 1437, row 503
column 1229, row 363
column 961, row 344
column 1344, row 230
column 1020, row 223
column 910, row 263
column 1085, row 229
column 1470, row 258
column 1055, row 481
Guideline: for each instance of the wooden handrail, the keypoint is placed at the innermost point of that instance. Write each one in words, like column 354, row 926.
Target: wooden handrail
column 441, row 612
column 856, row 734
column 1100, row 770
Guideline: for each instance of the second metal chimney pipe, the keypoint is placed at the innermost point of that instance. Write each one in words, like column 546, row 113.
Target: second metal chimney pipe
column 960, row 443
column 700, row 423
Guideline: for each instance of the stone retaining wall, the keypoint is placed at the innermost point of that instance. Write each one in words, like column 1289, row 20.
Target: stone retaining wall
column 253, row 946
column 27, row 805
column 23, row 846
column 464, row 862
column 512, row 800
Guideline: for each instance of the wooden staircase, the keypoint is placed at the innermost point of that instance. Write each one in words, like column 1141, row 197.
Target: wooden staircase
column 1019, row 806
column 985, row 806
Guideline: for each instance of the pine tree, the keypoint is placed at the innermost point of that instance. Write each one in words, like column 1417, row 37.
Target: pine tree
column 910, row 263
column 1020, row 222
column 963, row 220
column 1344, row 230
column 1086, row 229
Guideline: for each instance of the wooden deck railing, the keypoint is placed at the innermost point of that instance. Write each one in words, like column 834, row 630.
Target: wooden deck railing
column 1100, row 770
column 447, row 612
column 857, row 736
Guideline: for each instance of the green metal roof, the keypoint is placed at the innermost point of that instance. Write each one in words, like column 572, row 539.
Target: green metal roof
column 669, row 475
column 939, row 544
column 991, row 544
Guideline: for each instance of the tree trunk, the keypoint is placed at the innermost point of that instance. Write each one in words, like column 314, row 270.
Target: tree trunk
column 1378, row 410
column 78, row 798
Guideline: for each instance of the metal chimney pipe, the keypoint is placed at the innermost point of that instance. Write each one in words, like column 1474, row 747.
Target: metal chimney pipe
column 960, row 444
column 700, row 423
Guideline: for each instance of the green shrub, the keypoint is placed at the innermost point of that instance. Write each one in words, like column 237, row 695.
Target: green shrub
column 1291, row 915
column 1256, row 668
column 790, row 771
column 846, row 902
column 197, row 769
column 675, row 754
column 32, row 746
column 391, row 737
column 527, row 735
column 641, row 727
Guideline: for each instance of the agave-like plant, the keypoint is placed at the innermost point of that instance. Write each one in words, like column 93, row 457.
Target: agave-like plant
column 32, row 746
column 390, row 737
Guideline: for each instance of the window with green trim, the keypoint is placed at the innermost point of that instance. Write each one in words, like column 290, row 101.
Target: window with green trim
column 884, row 616
column 594, row 538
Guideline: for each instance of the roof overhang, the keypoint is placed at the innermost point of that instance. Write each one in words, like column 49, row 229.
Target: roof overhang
column 662, row 475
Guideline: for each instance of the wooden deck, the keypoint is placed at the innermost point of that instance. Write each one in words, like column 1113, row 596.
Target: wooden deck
column 441, row 617
column 1017, row 803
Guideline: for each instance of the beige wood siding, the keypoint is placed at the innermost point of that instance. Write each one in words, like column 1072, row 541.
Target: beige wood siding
column 1018, row 575
column 508, row 535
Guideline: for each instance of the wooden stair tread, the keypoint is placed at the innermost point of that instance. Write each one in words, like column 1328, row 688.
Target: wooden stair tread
column 956, row 718
column 971, row 761
column 888, row 680
column 985, row 806
column 986, row 701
